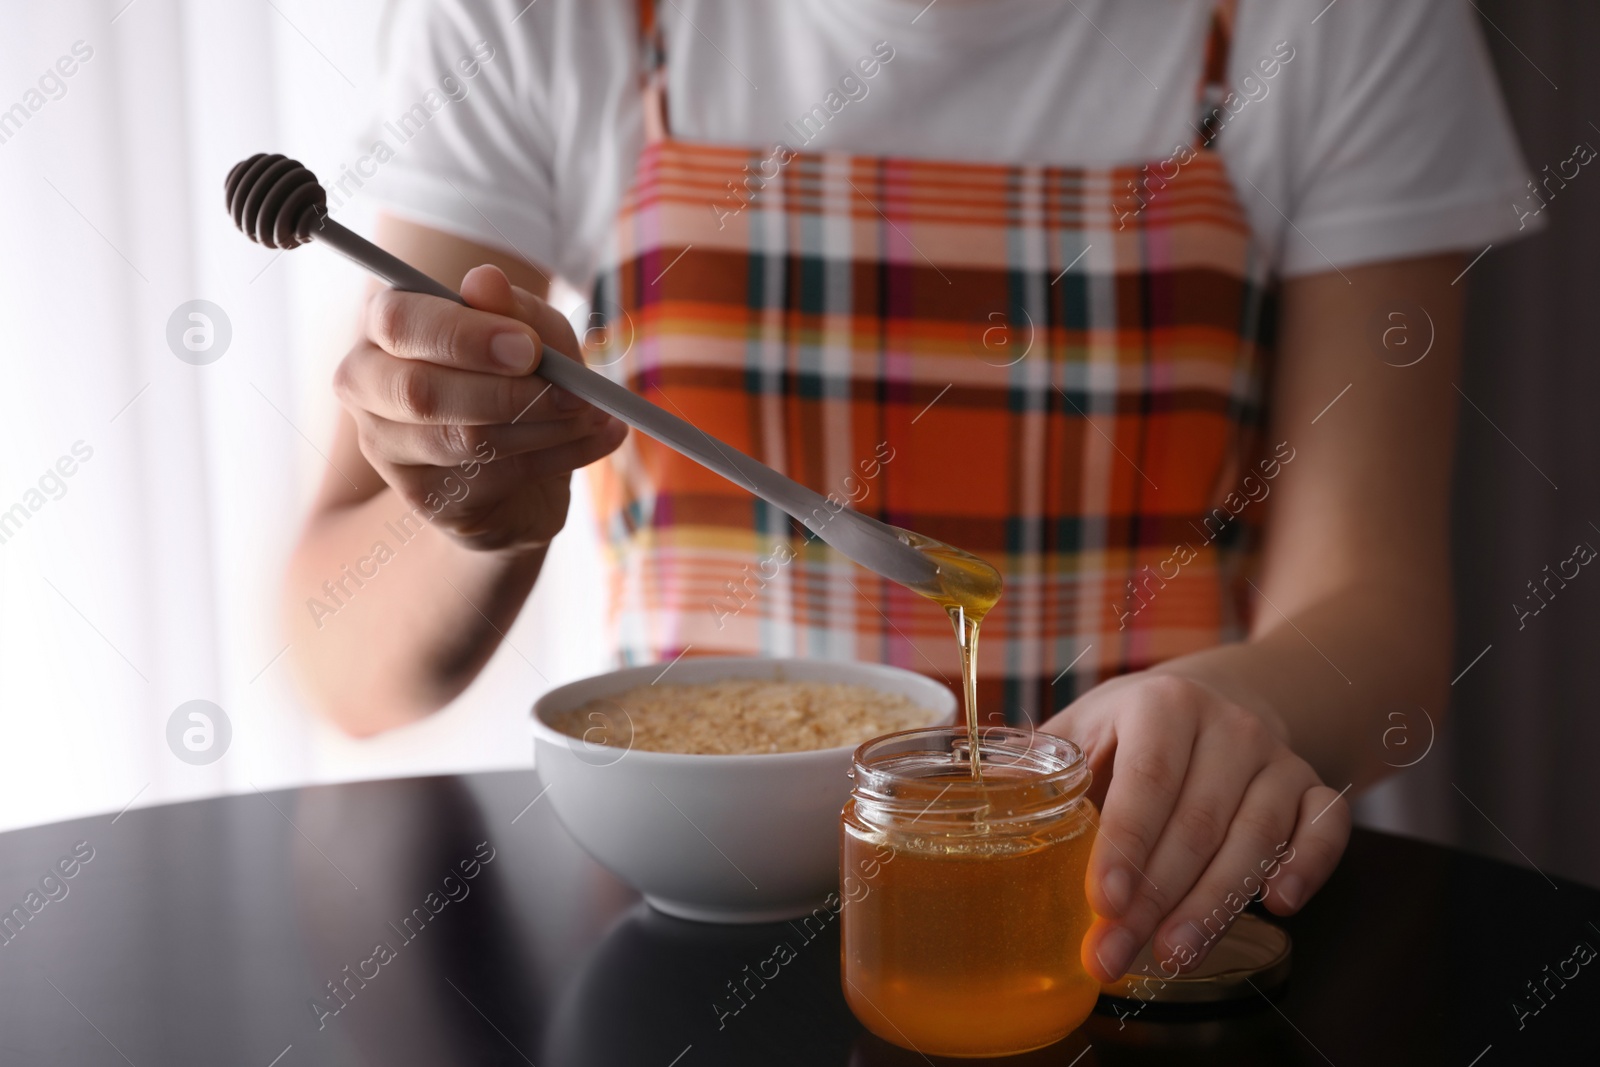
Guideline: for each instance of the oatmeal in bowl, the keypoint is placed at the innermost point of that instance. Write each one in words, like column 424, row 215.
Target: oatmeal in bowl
column 741, row 716
column 714, row 788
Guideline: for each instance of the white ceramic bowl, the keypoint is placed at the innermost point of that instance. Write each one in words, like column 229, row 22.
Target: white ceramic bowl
column 713, row 838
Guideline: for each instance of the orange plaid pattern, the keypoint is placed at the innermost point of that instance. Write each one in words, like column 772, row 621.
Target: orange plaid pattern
column 1018, row 360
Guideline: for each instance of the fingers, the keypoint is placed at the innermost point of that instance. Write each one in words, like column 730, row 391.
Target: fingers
column 546, row 321
column 404, row 390
column 434, row 330
column 574, row 455
column 1148, row 770
column 1320, row 836
column 509, row 501
column 1281, row 847
column 488, row 289
column 500, row 335
column 1226, row 757
column 553, row 327
column 1249, row 862
column 448, row 444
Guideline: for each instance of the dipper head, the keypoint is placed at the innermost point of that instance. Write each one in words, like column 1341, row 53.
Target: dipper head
column 275, row 201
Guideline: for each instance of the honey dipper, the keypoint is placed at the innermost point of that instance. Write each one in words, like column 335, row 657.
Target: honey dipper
column 278, row 203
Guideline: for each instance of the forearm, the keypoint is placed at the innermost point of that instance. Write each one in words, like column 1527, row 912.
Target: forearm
column 1334, row 675
column 1355, row 550
column 389, row 619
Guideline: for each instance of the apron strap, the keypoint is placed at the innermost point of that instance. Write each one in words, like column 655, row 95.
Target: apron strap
column 653, row 73
column 1213, row 88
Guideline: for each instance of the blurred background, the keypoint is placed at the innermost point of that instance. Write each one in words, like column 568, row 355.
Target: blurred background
column 148, row 576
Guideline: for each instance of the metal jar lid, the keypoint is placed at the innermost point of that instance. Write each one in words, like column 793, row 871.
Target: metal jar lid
column 1250, row 960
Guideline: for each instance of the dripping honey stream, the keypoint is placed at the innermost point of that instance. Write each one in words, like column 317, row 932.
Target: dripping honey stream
column 967, row 588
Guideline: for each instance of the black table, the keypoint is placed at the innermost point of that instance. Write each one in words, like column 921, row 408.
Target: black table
column 209, row 933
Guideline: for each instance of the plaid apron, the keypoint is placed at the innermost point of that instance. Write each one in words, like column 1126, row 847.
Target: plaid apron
column 1056, row 368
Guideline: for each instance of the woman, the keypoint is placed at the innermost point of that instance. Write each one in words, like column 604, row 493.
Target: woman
column 1114, row 295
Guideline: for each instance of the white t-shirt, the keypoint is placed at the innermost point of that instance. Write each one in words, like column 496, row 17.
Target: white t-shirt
column 1380, row 133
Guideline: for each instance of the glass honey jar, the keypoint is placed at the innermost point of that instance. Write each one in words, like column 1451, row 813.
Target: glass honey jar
column 964, row 905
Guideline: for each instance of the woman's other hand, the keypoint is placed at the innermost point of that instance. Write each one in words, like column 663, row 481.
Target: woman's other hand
column 1204, row 807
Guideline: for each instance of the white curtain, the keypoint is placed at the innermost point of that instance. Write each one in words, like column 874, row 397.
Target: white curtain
column 148, row 576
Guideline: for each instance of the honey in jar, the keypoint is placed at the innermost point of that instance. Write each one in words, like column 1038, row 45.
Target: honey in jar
column 964, row 905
